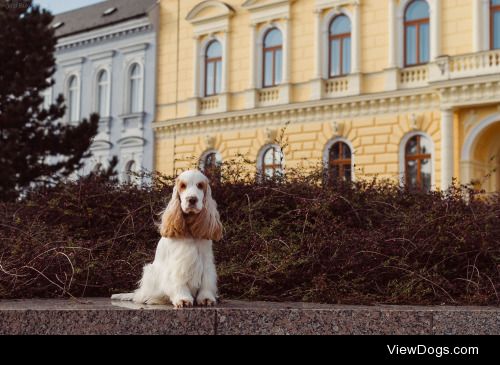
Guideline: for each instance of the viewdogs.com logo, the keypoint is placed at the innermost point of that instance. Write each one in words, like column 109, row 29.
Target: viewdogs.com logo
column 437, row 351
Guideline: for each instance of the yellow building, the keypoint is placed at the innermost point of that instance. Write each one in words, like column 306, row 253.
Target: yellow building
column 405, row 89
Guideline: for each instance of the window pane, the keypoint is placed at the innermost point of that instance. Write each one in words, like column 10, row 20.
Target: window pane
column 214, row 50
column 495, row 2
column 334, row 172
column 218, row 77
column 335, row 152
column 419, row 9
column 134, row 96
column 268, row 69
column 268, row 172
column 340, row 25
column 411, row 146
column 101, row 109
column 346, row 151
column 346, row 56
column 425, row 171
column 425, row 145
column 496, row 29
column 278, row 66
column 269, row 157
column 411, row 45
column 210, row 79
column 335, row 58
column 347, row 172
column 411, row 174
column 424, row 43
column 273, row 38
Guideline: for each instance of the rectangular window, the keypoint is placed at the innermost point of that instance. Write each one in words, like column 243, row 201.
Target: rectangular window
column 335, row 58
column 424, row 43
column 268, row 69
column 496, row 30
column 134, row 96
column 277, row 66
column 103, row 102
column 411, row 45
column 210, row 79
column 346, row 56
column 218, row 77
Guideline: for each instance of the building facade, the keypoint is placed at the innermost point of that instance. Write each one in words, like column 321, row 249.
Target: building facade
column 106, row 63
column 402, row 89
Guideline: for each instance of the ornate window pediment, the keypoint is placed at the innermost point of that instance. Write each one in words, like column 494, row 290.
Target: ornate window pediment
column 210, row 16
column 267, row 10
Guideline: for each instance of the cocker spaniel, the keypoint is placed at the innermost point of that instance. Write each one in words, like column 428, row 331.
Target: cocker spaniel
column 183, row 267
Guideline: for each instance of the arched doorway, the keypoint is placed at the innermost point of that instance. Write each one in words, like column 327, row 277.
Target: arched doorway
column 480, row 160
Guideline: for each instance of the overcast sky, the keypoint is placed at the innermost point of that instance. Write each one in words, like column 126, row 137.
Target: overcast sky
column 60, row 6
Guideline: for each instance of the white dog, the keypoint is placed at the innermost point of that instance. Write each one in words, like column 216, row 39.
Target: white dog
column 183, row 267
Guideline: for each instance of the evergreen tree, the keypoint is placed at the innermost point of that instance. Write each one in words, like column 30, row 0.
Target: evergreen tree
column 30, row 134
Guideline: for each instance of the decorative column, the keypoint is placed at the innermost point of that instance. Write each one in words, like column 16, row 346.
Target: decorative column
column 435, row 24
column 392, row 56
column 225, row 63
column 356, row 46
column 286, row 51
column 253, row 35
column 251, row 93
column 446, row 148
column 317, row 44
column 317, row 79
column 196, row 71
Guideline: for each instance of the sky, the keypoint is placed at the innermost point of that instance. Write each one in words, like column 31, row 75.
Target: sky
column 60, row 6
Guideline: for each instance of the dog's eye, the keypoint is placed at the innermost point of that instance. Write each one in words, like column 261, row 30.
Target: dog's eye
column 182, row 186
column 200, row 186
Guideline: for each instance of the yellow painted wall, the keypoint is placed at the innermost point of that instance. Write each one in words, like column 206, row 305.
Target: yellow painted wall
column 376, row 139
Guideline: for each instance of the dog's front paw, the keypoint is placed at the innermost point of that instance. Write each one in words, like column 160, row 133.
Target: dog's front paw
column 206, row 299
column 183, row 302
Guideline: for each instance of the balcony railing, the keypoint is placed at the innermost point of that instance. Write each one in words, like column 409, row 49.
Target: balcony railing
column 413, row 77
column 336, row 86
column 268, row 96
column 209, row 104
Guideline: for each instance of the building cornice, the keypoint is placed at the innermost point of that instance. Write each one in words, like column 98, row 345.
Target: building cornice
column 447, row 95
column 135, row 26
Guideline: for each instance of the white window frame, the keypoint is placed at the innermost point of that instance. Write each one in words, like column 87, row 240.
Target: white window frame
column 260, row 53
column 326, row 154
column 325, row 42
column 434, row 30
column 402, row 155
column 203, row 45
column 96, row 89
column 69, row 118
column 204, row 155
column 260, row 158
column 127, row 79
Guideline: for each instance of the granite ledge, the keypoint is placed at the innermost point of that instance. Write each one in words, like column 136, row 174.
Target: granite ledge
column 103, row 316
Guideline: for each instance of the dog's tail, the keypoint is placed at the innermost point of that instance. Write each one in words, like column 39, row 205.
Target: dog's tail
column 123, row 296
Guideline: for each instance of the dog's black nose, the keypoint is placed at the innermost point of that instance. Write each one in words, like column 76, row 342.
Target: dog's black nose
column 193, row 200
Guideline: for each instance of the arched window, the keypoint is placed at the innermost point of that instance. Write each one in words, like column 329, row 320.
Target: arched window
column 340, row 46
column 495, row 24
column 416, row 25
column 418, row 163
column 272, row 58
column 73, row 98
column 135, row 84
column 340, row 162
column 103, row 93
column 272, row 162
column 211, row 165
column 213, row 68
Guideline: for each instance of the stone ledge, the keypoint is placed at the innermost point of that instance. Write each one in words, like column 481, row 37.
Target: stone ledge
column 101, row 316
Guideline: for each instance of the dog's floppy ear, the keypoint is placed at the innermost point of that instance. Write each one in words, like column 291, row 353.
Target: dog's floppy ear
column 208, row 225
column 172, row 220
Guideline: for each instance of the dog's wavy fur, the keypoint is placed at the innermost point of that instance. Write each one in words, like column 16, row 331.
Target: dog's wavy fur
column 183, row 267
